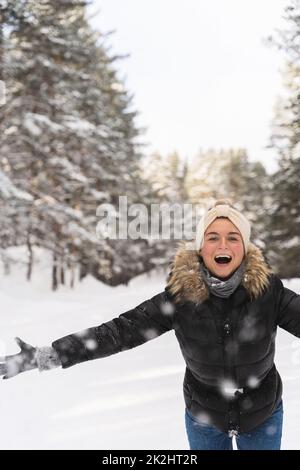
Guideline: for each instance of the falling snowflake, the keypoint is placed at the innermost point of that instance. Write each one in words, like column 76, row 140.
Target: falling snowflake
column 271, row 430
column 228, row 388
column 91, row 344
column 252, row 382
column 167, row 308
column 203, row 418
column 150, row 333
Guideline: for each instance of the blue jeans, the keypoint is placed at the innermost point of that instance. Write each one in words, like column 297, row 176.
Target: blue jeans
column 266, row 436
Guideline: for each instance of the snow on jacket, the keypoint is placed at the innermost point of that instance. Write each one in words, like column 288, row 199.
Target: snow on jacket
column 224, row 342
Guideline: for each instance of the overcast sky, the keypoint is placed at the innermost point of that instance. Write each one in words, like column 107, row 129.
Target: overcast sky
column 199, row 71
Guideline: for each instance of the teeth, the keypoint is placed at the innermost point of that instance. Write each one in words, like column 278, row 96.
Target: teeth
column 223, row 256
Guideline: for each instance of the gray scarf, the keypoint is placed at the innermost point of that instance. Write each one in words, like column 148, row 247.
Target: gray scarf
column 222, row 288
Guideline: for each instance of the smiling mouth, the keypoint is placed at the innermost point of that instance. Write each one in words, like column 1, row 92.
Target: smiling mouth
column 222, row 259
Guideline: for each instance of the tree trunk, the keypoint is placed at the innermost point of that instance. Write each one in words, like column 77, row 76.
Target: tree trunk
column 62, row 275
column 72, row 266
column 6, row 263
column 72, row 280
column 54, row 273
column 30, row 259
column 62, row 272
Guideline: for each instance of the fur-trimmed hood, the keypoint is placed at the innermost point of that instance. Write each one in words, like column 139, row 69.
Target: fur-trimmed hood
column 186, row 281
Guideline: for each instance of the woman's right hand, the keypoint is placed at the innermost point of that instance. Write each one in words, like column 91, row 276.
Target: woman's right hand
column 17, row 363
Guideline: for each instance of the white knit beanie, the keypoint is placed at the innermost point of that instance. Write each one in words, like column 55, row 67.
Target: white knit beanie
column 223, row 208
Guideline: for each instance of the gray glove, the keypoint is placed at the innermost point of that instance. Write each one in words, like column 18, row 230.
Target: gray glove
column 17, row 363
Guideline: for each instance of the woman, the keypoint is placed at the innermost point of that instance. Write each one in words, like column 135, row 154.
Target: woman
column 224, row 304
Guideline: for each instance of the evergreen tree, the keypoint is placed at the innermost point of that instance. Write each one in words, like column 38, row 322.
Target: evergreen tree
column 68, row 133
column 284, row 210
column 167, row 175
column 14, row 210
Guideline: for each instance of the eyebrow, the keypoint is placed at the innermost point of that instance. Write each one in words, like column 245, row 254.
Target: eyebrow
column 216, row 233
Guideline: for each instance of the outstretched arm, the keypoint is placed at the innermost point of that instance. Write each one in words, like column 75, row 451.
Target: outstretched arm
column 132, row 328
column 288, row 309
column 146, row 321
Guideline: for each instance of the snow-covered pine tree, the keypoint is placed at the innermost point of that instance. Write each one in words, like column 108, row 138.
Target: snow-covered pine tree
column 68, row 133
column 284, row 210
column 34, row 137
column 167, row 176
column 14, row 211
column 14, row 203
column 205, row 176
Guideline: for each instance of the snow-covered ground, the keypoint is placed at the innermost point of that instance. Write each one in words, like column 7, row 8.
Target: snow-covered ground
column 132, row 400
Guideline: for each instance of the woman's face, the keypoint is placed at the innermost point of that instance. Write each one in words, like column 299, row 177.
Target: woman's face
column 222, row 238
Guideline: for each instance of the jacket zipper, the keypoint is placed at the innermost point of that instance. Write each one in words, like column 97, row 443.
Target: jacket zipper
column 233, row 408
column 227, row 333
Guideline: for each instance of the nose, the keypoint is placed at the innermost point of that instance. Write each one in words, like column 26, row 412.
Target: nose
column 223, row 243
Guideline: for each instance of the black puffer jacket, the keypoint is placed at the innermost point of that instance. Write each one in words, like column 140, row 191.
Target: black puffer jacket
column 226, row 343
